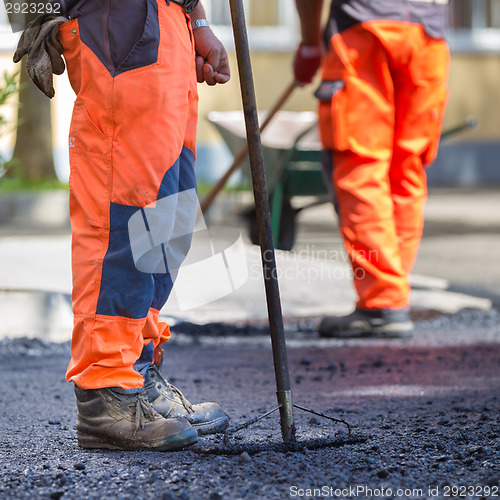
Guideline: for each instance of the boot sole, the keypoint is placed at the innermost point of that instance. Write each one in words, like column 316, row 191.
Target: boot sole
column 365, row 330
column 395, row 330
column 174, row 442
column 213, row 427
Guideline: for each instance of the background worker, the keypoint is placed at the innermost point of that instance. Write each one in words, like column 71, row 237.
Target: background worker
column 381, row 105
column 133, row 65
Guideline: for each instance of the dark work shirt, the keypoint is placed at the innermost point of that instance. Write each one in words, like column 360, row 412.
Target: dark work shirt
column 432, row 15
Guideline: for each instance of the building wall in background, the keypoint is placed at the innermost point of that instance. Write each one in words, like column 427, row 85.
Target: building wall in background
column 470, row 158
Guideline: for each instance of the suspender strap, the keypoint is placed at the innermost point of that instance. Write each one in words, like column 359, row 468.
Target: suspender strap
column 188, row 5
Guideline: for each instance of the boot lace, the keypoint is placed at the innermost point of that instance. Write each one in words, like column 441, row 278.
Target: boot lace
column 187, row 405
column 141, row 409
column 166, row 386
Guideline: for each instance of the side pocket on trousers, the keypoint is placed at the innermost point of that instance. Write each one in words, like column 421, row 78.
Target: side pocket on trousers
column 332, row 114
column 85, row 134
column 90, row 168
column 89, row 187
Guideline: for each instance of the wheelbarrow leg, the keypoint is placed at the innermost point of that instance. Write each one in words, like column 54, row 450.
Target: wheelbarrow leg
column 276, row 209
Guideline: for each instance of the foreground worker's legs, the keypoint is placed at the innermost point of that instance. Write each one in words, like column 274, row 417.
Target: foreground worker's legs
column 132, row 142
column 382, row 125
column 113, row 420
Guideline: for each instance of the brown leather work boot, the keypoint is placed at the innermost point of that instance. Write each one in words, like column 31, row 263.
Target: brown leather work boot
column 108, row 419
column 166, row 399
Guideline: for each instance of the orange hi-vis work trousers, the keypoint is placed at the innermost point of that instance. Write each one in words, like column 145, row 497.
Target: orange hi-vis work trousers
column 382, row 122
column 132, row 142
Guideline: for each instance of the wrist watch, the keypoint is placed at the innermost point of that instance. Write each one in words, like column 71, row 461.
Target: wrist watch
column 199, row 23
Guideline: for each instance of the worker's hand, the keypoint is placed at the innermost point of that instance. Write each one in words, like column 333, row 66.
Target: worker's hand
column 212, row 63
column 306, row 63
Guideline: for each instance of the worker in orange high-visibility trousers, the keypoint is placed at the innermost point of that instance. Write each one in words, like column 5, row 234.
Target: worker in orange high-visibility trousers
column 134, row 66
column 381, row 103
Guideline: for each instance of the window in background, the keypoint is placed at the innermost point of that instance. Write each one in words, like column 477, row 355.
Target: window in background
column 272, row 24
column 8, row 39
column 474, row 25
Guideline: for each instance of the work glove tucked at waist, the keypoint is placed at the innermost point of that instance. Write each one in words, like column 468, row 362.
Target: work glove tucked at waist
column 39, row 41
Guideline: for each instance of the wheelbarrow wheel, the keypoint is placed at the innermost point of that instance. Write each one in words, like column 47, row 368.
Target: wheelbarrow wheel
column 288, row 226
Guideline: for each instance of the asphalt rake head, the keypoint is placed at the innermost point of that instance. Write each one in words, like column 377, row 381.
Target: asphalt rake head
column 233, row 443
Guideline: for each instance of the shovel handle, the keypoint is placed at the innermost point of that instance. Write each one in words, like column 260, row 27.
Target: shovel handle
column 242, row 153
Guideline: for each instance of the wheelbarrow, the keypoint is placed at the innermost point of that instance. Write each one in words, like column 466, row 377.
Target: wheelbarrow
column 292, row 158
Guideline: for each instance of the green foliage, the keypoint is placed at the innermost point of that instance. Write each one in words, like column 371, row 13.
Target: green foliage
column 16, row 179
column 204, row 188
column 9, row 87
column 19, row 183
